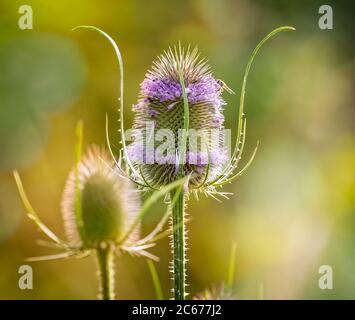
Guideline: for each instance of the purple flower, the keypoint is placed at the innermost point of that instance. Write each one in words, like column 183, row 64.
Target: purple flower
column 161, row 98
column 206, row 89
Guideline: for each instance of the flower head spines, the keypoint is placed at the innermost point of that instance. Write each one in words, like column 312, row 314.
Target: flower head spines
column 169, row 63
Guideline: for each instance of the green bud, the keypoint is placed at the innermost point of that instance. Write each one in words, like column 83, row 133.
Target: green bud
column 109, row 202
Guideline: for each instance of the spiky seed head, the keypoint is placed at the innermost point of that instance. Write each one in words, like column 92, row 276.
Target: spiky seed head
column 161, row 103
column 109, row 203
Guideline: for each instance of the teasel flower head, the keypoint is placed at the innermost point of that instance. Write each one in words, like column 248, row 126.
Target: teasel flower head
column 181, row 95
column 109, row 202
column 178, row 73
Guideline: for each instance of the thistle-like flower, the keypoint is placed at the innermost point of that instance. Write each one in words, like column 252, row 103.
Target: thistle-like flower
column 102, row 212
column 179, row 78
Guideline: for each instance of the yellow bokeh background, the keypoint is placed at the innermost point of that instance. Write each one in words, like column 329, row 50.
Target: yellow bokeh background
column 292, row 212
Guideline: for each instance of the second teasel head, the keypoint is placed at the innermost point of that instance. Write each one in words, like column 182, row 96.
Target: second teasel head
column 109, row 202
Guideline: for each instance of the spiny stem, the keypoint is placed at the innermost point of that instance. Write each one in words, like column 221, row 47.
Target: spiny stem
column 178, row 245
column 105, row 258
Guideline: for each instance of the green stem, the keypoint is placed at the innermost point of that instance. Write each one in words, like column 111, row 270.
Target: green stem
column 105, row 258
column 178, row 245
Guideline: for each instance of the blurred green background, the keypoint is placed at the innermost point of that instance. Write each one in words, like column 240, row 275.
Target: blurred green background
column 291, row 213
